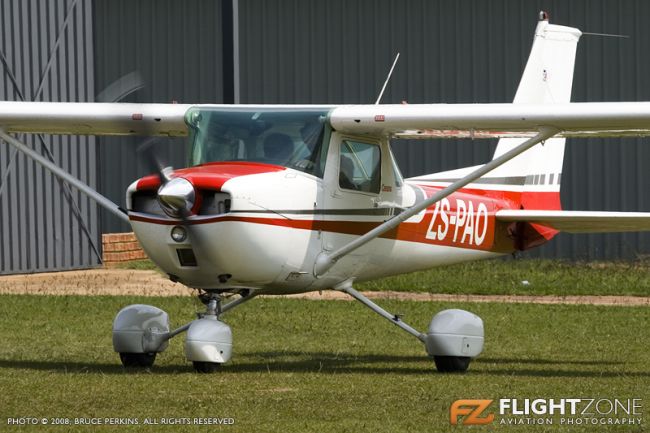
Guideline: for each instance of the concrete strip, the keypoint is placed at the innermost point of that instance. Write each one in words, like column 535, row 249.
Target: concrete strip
column 93, row 282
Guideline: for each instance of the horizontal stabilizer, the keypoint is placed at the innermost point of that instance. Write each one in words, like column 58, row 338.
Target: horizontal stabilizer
column 580, row 221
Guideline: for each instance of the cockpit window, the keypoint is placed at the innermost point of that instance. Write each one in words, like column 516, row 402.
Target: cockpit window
column 360, row 166
column 288, row 137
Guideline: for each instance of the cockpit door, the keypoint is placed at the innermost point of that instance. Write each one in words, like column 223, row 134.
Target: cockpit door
column 361, row 190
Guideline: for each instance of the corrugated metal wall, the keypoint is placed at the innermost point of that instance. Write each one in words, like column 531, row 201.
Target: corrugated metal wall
column 309, row 51
column 47, row 55
column 176, row 47
column 339, row 51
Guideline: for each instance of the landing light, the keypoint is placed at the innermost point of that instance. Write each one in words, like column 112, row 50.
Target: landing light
column 179, row 234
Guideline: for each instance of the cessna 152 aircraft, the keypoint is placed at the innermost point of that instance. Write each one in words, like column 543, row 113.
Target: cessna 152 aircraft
column 288, row 199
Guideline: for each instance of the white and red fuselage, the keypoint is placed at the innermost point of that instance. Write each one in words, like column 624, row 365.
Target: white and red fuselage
column 274, row 221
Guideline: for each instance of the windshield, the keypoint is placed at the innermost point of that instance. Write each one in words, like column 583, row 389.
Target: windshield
column 291, row 138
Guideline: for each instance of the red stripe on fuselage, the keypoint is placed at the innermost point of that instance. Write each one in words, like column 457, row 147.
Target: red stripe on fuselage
column 538, row 200
column 465, row 219
column 460, row 235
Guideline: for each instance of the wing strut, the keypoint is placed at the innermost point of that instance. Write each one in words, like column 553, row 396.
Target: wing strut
column 65, row 176
column 325, row 261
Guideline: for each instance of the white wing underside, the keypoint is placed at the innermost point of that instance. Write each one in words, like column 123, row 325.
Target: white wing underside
column 88, row 118
column 580, row 221
column 586, row 119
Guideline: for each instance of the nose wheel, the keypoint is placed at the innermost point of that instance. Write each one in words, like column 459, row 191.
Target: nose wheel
column 140, row 332
column 137, row 360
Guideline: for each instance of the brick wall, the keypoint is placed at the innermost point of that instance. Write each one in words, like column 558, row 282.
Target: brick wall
column 120, row 248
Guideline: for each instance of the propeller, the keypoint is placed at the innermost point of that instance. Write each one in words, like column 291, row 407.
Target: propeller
column 176, row 196
column 121, row 88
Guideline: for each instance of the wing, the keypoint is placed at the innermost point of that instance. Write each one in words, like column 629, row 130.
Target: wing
column 580, row 221
column 404, row 121
column 583, row 119
column 87, row 118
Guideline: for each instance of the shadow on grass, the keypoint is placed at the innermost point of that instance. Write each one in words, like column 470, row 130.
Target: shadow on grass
column 65, row 367
column 545, row 361
column 336, row 363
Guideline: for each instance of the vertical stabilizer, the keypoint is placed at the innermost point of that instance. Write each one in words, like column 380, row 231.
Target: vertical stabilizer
column 547, row 79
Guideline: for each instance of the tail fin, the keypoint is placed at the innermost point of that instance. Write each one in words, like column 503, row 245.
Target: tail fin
column 547, row 79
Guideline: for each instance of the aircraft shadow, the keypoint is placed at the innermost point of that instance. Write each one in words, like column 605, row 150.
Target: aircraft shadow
column 545, row 361
column 336, row 363
column 83, row 367
column 330, row 363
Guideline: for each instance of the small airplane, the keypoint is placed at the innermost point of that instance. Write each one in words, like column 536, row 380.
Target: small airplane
column 281, row 199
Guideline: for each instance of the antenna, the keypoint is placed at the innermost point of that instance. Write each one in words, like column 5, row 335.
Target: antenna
column 607, row 35
column 387, row 79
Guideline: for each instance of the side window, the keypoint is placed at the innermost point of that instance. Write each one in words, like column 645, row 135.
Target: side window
column 360, row 166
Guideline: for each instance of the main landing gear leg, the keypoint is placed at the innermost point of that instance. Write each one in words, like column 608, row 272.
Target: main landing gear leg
column 454, row 337
column 142, row 331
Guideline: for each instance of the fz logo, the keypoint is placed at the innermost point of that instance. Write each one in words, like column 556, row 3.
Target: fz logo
column 473, row 409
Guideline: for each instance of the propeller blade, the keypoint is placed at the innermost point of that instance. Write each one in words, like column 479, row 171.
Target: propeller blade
column 121, row 88
column 152, row 161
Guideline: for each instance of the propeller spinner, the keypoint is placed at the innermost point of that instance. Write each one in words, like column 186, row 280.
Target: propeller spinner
column 177, row 197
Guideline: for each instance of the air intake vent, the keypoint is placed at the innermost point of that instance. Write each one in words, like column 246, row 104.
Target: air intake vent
column 214, row 203
column 186, row 257
column 146, row 201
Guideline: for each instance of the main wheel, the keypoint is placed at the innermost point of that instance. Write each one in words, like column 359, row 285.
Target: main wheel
column 141, row 360
column 206, row 367
column 452, row 364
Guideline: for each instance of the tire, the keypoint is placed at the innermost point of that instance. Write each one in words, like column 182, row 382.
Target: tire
column 137, row 360
column 452, row 364
column 206, row 367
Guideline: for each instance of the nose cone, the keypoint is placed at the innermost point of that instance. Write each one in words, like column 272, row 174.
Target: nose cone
column 176, row 197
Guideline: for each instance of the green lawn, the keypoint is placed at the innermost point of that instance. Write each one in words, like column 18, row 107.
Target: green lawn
column 509, row 277
column 526, row 277
column 322, row 366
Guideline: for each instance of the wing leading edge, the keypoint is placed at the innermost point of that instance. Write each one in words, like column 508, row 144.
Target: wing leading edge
column 581, row 119
column 580, row 221
column 585, row 119
column 90, row 118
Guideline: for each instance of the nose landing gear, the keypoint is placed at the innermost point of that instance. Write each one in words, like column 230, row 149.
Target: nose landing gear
column 140, row 332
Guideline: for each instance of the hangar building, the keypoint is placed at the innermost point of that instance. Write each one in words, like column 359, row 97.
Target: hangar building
column 300, row 51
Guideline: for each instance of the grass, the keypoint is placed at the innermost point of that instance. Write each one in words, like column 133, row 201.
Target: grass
column 139, row 265
column 526, row 277
column 302, row 366
column 515, row 277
